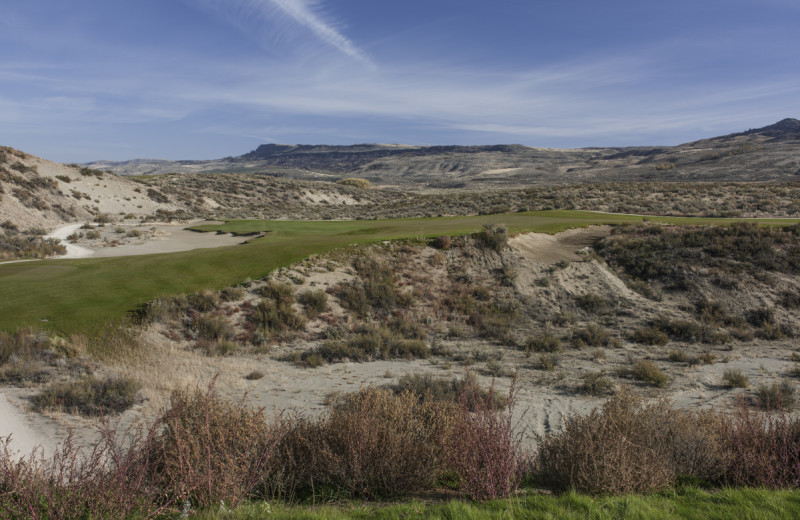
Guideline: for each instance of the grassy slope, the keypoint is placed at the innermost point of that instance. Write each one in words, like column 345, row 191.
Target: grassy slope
column 686, row 503
column 80, row 295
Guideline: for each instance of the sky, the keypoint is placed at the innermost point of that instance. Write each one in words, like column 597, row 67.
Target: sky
column 88, row 80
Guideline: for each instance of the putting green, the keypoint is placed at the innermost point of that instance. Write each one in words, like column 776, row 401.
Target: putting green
column 83, row 295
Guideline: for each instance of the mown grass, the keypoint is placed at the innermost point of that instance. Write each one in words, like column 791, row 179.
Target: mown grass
column 84, row 295
column 688, row 502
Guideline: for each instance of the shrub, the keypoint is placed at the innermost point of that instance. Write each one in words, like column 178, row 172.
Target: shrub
column 484, row 451
column 596, row 384
column 375, row 288
column 427, row 386
column 548, row 361
column 232, row 294
column 209, row 450
column 369, row 343
column 108, row 479
column 442, row 242
column 162, row 309
column 761, row 317
column 494, row 237
column 647, row 371
column 592, row 335
column 355, row 182
column 735, row 379
column 213, row 347
column 546, row 342
column 776, row 396
column 764, row 449
column 271, row 317
column 593, row 303
column 371, row 444
column 89, row 396
column 23, row 344
column 213, row 328
column 678, row 356
column 649, row 336
column 790, row 299
column 281, row 293
column 157, row 196
column 202, row 301
column 630, row 447
column 315, row 302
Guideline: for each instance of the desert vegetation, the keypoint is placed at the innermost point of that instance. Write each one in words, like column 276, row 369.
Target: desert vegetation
column 203, row 451
column 16, row 244
column 649, row 308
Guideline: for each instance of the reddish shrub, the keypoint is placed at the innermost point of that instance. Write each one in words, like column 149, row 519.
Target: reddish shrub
column 483, row 450
column 764, row 448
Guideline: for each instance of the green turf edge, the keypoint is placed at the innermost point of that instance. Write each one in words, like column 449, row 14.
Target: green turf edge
column 84, row 295
column 683, row 503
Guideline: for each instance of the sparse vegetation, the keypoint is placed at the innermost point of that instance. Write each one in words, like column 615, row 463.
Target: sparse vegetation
column 592, row 335
column 365, row 344
column 735, row 379
column 776, row 396
column 89, row 396
column 314, row 302
column 647, row 371
column 597, row 384
column 546, row 342
column 355, row 182
column 15, row 245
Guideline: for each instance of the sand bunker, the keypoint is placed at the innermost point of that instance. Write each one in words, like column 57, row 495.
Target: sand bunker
column 169, row 238
column 27, row 430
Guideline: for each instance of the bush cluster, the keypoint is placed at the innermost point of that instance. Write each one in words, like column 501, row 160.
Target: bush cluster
column 668, row 254
column 15, row 245
column 494, row 237
column 374, row 290
column 366, row 343
column 89, row 396
column 203, row 451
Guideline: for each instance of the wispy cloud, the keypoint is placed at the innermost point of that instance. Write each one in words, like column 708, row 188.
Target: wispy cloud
column 307, row 13
column 294, row 20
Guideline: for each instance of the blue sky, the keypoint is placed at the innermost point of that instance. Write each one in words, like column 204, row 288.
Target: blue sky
column 199, row 79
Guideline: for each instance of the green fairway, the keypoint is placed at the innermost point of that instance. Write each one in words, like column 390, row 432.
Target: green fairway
column 82, row 294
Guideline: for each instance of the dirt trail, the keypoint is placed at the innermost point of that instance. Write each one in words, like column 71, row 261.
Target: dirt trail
column 73, row 251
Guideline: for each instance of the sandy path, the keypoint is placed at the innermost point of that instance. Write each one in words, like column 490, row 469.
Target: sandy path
column 73, row 251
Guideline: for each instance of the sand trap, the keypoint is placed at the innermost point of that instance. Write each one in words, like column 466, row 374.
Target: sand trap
column 549, row 249
column 172, row 239
column 27, row 430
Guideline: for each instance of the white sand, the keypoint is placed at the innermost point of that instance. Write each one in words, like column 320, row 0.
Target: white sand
column 73, row 251
column 172, row 238
column 27, row 430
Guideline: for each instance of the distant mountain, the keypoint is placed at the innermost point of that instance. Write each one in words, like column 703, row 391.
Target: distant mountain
column 768, row 153
column 782, row 130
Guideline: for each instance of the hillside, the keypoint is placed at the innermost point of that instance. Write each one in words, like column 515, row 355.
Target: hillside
column 36, row 193
column 768, row 153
